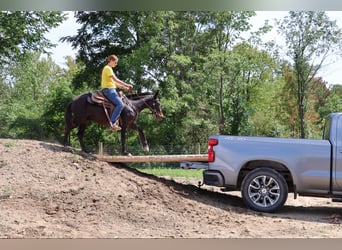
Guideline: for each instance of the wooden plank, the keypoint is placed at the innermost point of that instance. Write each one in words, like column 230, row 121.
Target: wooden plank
column 155, row 158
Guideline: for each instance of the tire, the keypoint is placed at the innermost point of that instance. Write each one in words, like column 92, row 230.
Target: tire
column 264, row 190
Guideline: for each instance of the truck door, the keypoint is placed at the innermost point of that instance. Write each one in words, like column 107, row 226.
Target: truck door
column 336, row 131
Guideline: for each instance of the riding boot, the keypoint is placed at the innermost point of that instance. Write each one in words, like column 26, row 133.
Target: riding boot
column 114, row 126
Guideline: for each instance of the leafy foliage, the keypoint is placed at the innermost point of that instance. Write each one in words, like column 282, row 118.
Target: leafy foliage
column 211, row 76
column 310, row 37
column 22, row 31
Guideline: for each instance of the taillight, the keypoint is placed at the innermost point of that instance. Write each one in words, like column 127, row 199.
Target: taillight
column 211, row 153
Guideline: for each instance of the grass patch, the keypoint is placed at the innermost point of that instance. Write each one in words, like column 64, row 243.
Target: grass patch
column 9, row 144
column 173, row 172
column 6, row 192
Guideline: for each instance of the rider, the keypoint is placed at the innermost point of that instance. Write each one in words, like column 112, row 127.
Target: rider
column 109, row 83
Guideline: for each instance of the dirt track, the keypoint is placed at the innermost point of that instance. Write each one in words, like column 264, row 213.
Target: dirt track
column 47, row 191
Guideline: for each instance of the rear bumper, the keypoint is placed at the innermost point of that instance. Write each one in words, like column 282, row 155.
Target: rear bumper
column 213, row 178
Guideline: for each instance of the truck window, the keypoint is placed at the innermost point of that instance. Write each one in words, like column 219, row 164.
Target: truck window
column 326, row 132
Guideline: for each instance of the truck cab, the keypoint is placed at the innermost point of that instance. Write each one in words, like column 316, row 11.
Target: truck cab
column 333, row 133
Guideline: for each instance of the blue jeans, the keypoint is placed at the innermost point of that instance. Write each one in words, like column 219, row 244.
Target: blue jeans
column 113, row 96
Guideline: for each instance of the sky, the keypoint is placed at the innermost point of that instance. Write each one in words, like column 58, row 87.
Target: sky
column 331, row 70
column 67, row 28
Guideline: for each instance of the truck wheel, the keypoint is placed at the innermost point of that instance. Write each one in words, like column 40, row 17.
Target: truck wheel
column 264, row 190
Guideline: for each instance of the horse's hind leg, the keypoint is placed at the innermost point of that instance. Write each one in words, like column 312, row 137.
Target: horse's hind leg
column 67, row 136
column 80, row 135
column 67, row 131
column 68, row 117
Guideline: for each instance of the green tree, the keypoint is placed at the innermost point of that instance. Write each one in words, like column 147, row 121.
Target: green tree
column 265, row 120
column 22, row 31
column 288, row 110
column 56, row 100
column 156, row 50
column 129, row 35
column 183, row 88
column 222, row 33
column 317, row 94
column 29, row 81
column 333, row 101
column 206, row 80
column 310, row 38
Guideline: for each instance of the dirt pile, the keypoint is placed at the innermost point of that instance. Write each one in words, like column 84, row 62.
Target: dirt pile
column 47, row 191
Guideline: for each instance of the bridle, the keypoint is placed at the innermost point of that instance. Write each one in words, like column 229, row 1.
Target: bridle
column 155, row 113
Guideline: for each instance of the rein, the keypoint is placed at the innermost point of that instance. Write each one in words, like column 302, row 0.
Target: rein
column 129, row 103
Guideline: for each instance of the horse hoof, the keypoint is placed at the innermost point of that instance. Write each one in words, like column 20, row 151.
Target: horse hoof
column 68, row 148
column 146, row 148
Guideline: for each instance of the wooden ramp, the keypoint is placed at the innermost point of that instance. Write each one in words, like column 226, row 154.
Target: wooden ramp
column 155, row 158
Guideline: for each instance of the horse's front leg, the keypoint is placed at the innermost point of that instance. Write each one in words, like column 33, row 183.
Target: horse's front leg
column 123, row 141
column 142, row 137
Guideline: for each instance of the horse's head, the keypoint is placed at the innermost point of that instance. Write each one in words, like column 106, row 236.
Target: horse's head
column 155, row 107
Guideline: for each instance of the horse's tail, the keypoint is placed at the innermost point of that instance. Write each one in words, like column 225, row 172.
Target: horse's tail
column 68, row 123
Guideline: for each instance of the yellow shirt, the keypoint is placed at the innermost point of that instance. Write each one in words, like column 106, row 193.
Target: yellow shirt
column 106, row 79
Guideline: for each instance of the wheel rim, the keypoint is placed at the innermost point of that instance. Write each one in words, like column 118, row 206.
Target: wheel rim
column 264, row 191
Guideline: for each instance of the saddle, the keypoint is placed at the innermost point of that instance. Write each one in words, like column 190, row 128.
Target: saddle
column 98, row 98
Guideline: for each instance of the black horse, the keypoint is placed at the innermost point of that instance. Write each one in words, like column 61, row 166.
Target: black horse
column 80, row 112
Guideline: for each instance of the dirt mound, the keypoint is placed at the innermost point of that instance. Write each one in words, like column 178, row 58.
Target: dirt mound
column 47, row 191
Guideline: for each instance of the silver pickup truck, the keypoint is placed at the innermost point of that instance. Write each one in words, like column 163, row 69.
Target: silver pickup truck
column 267, row 169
